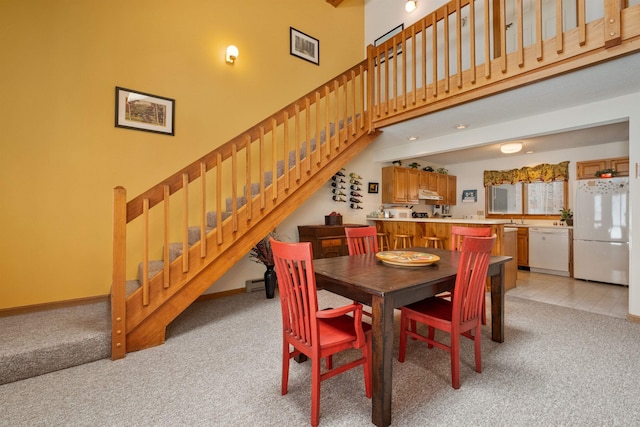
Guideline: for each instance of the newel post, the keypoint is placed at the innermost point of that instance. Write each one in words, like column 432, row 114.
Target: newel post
column 371, row 73
column 118, row 285
column 612, row 16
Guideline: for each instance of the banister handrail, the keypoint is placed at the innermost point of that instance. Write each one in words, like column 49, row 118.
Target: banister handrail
column 154, row 194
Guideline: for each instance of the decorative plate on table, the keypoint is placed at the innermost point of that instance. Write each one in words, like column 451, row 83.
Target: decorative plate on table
column 407, row 258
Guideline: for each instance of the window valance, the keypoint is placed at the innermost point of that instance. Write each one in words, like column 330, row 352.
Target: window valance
column 543, row 172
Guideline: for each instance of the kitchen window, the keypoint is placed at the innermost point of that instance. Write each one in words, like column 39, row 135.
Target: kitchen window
column 532, row 192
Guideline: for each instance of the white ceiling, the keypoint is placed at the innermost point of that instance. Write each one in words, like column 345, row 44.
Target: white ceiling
column 599, row 82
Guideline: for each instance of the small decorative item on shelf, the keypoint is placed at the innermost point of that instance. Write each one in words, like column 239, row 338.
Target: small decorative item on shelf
column 427, row 169
column 414, row 165
column 442, row 171
column 262, row 253
column 566, row 215
column 334, row 218
column 397, row 163
column 606, row 173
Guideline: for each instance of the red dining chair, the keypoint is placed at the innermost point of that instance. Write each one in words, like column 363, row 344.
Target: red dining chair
column 361, row 240
column 458, row 233
column 459, row 316
column 317, row 334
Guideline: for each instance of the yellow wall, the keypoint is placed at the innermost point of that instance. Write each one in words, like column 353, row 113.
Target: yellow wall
column 60, row 154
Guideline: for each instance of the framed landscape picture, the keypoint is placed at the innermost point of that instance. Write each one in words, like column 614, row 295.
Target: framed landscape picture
column 304, row 46
column 143, row 111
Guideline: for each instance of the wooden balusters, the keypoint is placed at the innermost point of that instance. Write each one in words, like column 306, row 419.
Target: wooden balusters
column 166, row 278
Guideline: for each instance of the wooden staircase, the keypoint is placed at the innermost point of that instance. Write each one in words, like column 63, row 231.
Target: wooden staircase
column 263, row 174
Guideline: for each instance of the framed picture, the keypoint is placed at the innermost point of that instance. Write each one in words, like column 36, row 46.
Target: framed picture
column 373, row 187
column 469, row 196
column 386, row 36
column 304, row 46
column 143, row 111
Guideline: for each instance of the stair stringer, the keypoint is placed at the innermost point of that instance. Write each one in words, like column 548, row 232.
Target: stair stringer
column 146, row 325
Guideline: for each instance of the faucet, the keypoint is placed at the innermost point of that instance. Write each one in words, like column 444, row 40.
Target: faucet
column 522, row 220
column 511, row 221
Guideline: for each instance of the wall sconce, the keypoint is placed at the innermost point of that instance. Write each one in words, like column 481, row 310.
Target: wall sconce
column 232, row 54
column 512, row 147
column 411, row 5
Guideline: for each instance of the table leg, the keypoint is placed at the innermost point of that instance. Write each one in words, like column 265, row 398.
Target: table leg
column 381, row 362
column 497, row 306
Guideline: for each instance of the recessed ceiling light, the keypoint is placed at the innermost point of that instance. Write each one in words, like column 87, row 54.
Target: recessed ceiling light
column 412, row 138
column 530, row 152
column 510, row 148
column 462, row 126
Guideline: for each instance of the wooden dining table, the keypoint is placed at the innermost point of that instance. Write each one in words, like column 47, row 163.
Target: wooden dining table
column 384, row 287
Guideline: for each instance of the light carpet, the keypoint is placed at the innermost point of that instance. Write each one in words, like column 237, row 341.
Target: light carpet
column 221, row 366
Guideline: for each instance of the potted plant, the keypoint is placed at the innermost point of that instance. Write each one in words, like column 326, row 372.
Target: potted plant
column 606, row 173
column 566, row 215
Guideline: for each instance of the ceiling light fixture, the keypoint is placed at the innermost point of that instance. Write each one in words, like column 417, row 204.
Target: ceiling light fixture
column 512, row 147
column 461, row 126
column 411, row 5
column 412, row 138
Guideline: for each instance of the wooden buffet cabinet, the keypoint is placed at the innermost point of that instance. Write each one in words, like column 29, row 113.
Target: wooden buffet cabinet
column 400, row 185
column 326, row 240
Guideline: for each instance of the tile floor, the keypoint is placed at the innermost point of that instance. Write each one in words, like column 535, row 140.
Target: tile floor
column 611, row 300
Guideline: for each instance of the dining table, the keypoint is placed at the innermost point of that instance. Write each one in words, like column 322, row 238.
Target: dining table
column 385, row 287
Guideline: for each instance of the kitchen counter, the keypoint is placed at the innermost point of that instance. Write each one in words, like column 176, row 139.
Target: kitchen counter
column 445, row 220
column 420, row 228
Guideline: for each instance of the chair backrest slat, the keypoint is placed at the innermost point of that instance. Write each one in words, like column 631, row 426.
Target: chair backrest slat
column 471, row 278
column 458, row 233
column 361, row 240
column 297, row 288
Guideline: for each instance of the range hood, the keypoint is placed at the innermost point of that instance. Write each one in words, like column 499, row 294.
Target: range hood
column 428, row 195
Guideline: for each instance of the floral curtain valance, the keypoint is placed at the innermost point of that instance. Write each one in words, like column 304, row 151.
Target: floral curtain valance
column 543, row 172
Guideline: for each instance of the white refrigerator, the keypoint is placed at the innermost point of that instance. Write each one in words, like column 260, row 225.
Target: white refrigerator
column 601, row 230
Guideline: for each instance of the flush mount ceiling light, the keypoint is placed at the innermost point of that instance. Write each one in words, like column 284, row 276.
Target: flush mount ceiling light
column 410, row 6
column 412, row 138
column 460, row 126
column 510, row 148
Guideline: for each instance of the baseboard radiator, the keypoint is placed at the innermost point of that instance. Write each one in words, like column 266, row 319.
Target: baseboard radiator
column 253, row 285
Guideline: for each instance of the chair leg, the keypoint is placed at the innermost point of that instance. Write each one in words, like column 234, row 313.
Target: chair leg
column 402, row 347
column 366, row 353
column 455, row 360
column 477, row 346
column 286, row 358
column 484, row 309
column 315, row 391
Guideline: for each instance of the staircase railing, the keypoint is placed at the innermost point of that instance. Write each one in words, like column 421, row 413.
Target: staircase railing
column 241, row 190
column 232, row 194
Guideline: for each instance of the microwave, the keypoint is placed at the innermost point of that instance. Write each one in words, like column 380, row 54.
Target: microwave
column 398, row 212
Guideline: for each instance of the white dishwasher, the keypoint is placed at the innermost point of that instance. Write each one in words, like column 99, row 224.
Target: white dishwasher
column 549, row 250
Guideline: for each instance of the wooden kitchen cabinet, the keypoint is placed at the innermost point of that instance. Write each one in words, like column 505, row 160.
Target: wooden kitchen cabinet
column 400, row 185
column 429, row 180
column 326, row 240
column 588, row 169
column 523, row 247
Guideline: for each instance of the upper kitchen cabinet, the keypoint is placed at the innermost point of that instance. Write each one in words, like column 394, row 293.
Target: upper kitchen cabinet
column 429, row 181
column 400, row 185
column 588, row 169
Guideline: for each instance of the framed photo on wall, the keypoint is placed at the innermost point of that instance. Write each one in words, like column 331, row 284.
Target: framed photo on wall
column 143, row 111
column 373, row 187
column 469, row 196
column 304, row 46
